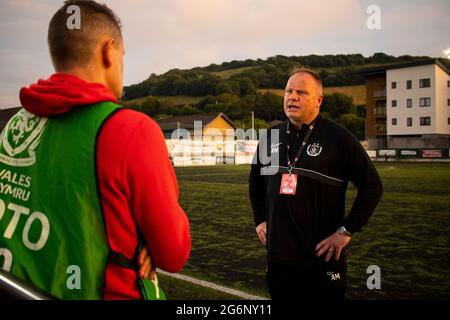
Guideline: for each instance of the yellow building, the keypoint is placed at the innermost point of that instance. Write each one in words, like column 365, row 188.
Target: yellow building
column 206, row 125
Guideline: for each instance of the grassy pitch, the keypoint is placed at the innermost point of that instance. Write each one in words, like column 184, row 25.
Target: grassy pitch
column 407, row 237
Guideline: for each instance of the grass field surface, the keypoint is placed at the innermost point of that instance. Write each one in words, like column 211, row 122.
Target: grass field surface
column 407, row 237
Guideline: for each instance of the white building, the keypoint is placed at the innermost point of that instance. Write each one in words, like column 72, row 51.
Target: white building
column 418, row 106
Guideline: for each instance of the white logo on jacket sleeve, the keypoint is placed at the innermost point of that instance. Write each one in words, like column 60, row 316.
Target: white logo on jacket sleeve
column 314, row 149
column 274, row 147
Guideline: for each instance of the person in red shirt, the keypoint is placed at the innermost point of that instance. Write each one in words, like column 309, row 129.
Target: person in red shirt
column 137, row 184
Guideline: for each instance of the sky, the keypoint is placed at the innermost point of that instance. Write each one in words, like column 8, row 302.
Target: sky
column 164, row 34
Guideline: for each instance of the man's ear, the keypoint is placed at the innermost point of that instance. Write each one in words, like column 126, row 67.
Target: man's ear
column 319, row 101
column 107, row 53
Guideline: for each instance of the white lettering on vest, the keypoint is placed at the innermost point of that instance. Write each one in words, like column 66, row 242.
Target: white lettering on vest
column 45, row 230
column 12, row 225
column 14, row 178
column 18, row 211
column 7, row 255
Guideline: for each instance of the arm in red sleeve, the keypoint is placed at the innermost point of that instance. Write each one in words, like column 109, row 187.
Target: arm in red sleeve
column 153, row 192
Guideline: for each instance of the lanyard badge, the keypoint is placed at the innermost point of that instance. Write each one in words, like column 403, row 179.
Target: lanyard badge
column 288, row 184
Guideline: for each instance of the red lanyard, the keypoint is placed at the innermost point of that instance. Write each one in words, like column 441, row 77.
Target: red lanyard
column 291, row 165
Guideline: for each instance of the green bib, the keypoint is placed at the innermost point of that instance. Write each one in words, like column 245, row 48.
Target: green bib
column 52, row 232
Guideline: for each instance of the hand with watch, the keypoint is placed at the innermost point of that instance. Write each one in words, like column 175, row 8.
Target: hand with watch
column 344, row 232
column 334, row 244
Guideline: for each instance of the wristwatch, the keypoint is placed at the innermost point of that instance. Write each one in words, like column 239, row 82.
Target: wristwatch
column 344, row 232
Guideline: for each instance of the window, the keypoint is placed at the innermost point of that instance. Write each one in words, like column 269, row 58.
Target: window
column 425, row 121
column 425, row 102
column 394, row 121
column 408, row 84
column 424, row 83
column 393, row 84
column 448, row 121
column 448, row 102
column 409, row 122
column 409, row 103
column 448, row 83
column 394, row 103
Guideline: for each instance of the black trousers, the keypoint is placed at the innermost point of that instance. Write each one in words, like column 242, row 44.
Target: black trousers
column 293, row 282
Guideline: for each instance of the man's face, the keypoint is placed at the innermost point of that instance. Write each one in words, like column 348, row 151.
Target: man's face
column 302, row 98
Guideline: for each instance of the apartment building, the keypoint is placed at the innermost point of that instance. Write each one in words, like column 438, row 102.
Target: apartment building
column 408, row 105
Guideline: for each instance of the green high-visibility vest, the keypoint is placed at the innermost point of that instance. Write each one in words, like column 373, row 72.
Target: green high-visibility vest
column 51, row 219
column 52, row 232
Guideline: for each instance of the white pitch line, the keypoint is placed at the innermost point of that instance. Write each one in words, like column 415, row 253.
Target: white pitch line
column 211, row 285
column 207, row 174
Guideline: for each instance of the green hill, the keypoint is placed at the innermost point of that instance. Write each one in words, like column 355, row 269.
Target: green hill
column 244, row 77
column 242, row 88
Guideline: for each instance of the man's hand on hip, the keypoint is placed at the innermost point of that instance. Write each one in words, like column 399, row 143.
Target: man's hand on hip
column 261, row 231
column 332, row 245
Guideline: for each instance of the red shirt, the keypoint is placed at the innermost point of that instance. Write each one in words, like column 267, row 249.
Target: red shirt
column 137, row 183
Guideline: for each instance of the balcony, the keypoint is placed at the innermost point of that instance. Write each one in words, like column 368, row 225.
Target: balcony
column 379, row 112
column 379, row 93
column 380, row 129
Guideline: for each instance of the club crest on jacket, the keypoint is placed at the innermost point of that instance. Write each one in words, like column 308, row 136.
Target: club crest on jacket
column 314, row 149
column 20, row 137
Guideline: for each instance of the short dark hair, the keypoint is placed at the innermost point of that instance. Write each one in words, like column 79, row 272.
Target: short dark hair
column 75, row 47
column 308, row 71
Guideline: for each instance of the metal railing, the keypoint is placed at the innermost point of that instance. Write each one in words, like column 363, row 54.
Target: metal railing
column 379, row 93
column 379, row 111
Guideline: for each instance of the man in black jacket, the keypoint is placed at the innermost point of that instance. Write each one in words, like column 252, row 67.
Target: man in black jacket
column 297, row 187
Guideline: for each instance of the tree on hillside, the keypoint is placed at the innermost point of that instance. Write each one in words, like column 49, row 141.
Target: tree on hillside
column 381, row 57
column 336, row 70
column 360, row 110
column 247, row 124
column 227, row 98
column 324, row 74
column 188, row 110
column 268, row 106
column 223, row 87
column 151, row 106
column 246, row 87
column 337, row 104
column 354, row 124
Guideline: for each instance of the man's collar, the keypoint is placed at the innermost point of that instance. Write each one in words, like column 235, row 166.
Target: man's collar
column 294, row 127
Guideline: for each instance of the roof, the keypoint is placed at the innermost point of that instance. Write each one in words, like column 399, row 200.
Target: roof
column 380, row 71
column 274, row 123
column 187, row 122
column 6, row 114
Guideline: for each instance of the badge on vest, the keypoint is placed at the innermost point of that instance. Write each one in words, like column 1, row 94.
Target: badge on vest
column 19, row 139
column 288, row 184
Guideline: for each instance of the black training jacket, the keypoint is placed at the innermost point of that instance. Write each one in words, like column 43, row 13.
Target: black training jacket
column 330, row 159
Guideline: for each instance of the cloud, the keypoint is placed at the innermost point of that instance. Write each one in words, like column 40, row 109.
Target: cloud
column 173, row 34
column 418, row 28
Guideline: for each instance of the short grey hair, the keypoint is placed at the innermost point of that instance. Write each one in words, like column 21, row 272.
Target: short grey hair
column 311, row 73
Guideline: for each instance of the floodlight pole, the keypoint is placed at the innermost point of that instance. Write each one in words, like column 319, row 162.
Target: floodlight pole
column 253, row 125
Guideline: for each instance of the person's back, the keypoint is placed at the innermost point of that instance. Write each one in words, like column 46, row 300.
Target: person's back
column 85, row 183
